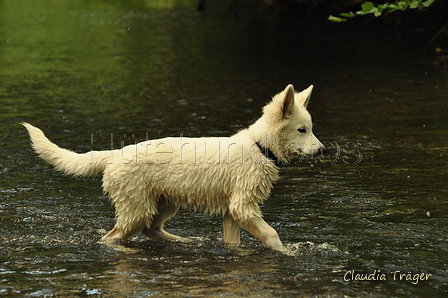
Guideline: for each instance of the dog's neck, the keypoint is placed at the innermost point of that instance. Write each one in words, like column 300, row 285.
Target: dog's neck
column 269, row 154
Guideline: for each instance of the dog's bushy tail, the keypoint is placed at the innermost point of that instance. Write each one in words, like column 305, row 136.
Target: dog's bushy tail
column 64, row 160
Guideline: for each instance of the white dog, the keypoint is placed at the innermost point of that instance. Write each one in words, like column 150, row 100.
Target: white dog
column 149, row 181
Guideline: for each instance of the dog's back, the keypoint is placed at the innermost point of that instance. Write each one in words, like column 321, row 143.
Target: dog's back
column 205, row 174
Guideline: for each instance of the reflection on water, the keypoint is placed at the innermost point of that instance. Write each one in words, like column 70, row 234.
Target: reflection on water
column 84, row 71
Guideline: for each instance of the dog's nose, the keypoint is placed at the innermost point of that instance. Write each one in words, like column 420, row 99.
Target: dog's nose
column 322, row 150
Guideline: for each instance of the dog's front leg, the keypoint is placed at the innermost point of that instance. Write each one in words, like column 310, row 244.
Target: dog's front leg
column 260, row 229
column 231, row 230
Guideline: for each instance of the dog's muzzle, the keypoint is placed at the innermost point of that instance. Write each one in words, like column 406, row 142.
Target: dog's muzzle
column 320, row 151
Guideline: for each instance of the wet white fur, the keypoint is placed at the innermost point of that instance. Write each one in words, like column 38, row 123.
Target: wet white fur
column 148, row 182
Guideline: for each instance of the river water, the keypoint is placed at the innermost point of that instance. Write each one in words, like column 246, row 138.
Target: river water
column 94, row 74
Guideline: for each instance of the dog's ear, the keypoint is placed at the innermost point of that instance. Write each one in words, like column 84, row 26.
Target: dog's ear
column 305, row 96
column 288, row 101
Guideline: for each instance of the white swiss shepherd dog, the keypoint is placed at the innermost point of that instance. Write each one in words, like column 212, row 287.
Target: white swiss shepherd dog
column 148, row 182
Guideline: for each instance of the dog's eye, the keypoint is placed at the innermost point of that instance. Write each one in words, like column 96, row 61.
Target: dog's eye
column 302, row 130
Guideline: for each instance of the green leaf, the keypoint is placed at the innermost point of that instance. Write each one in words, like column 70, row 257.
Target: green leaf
column 427, row 3
column 367, row 6
column 402, row 5
column 382, row 7
column 336, row 19
column 347, row 14
column 414, row 4
column 392, row 8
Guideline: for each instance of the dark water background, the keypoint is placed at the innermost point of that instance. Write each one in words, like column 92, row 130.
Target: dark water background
column 94, row 72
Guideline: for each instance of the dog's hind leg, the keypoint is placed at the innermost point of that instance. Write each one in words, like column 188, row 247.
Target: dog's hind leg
column 133, row 213
column 231, row 230
column 155, row 231
column 124, row 231
column 260, row 229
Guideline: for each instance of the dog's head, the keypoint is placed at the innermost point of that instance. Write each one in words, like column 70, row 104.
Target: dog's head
column 290, row 125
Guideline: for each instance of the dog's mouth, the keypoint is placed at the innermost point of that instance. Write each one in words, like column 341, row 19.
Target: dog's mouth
column 319, row 152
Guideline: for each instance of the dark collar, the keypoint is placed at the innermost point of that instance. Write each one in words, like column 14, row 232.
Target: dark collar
column 269, row 154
